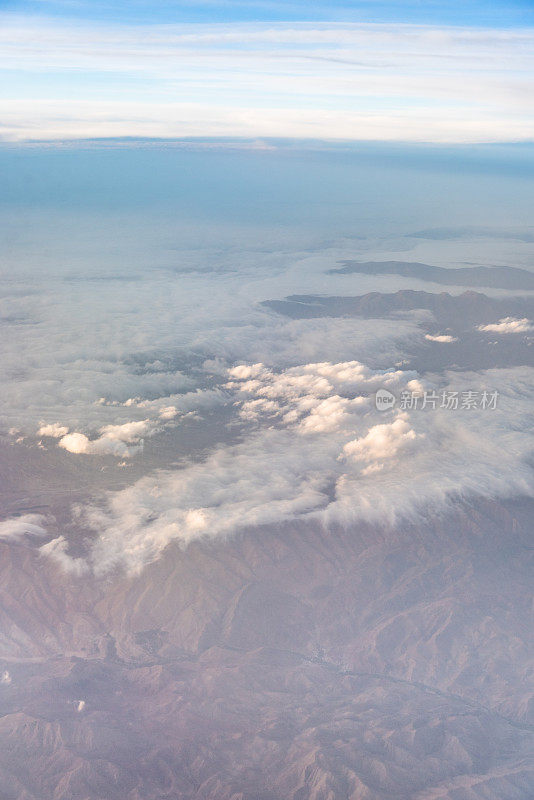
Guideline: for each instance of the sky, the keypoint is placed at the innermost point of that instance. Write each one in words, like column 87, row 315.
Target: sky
column 443, row 72
column 446, row 12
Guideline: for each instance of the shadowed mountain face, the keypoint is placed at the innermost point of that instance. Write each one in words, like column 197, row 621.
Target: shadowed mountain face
column 488, row 277
column 459, row 317
column 459, row 312
column 370, row 663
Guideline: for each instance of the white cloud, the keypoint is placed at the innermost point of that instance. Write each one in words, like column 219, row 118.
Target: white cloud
column 444, row 338
column 128, row 431
column 335, row 460
column 56, row 550
column 381, row 442
column 75, row 443
column 55, row 430
column 328, row 414
column 76, row 119
column 352, row 81
column 17, row 528
column 108, row 374
column 115, row 440
column 80, row 444
column 245, row 372
column 5, row 679
column 317, row 397
column 509, row 325
column 168, row 412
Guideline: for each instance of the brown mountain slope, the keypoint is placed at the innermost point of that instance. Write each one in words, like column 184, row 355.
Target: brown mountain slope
column 292, row 663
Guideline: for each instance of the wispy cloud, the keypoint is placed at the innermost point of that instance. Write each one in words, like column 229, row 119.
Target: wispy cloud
column 331, row 81
column 18, row 528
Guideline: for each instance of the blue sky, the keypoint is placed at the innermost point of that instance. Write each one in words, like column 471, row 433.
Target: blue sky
column 366, row 71
column 446, row 12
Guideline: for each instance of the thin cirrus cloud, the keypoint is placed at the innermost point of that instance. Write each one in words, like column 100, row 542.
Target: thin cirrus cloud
column 321, row 80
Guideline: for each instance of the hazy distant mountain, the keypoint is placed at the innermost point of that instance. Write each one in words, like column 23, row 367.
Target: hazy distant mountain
column 490, row 277
column 456, row 317
column 463, row 310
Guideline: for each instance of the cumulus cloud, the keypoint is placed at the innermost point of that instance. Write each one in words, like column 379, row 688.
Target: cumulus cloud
column 55, row 430
column 80, row 444
column 317, row 397
column 122, row 441
column 444, row 338
column 381, row 442
column 118, row 440
column 168, row 412
column 319, row 450
column 75, row 443
column 128, row 431
column 509, row 325
column 328, row 414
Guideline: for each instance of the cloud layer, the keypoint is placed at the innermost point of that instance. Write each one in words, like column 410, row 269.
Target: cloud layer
column 329, row 81
column 146, row 351
column 315, row 448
